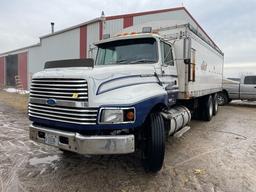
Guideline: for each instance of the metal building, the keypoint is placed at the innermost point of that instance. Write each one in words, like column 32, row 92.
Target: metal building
column 77, row 42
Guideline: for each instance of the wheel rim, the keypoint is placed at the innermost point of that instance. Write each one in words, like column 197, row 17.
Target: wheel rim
column 220, row 100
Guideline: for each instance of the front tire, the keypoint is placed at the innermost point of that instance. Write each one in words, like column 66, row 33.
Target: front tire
column 154, row 143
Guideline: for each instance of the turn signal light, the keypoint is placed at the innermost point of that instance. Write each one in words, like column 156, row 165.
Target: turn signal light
column 129, row 115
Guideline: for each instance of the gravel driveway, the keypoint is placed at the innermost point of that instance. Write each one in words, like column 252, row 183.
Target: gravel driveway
column 213, row 156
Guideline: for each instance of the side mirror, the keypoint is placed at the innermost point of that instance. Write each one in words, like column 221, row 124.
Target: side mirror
column 187, row 51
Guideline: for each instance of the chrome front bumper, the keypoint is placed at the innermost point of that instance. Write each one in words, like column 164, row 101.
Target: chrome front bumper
column 108, row 144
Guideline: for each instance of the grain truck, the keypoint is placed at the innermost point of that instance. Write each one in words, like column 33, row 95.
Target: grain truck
column 144, row 85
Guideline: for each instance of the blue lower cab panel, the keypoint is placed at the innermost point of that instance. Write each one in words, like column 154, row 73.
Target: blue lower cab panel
column 143, row 108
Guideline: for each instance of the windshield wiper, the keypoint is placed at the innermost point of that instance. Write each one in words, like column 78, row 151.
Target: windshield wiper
column 142, row 61
column 122, row 61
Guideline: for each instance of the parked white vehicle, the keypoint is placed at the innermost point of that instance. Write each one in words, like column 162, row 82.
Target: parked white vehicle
column 234, row 90
column 141, row 88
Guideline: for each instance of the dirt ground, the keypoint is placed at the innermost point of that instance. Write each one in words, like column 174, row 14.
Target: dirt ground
column 213, row 156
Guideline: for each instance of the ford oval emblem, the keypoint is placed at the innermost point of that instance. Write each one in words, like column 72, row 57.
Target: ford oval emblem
column 51, row 102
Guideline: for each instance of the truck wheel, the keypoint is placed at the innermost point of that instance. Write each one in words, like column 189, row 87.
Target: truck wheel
column 222, row 98
column 207, row 108
column 154, row 143
column 215, row 104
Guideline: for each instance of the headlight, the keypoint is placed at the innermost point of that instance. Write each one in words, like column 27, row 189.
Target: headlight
column 117, row 115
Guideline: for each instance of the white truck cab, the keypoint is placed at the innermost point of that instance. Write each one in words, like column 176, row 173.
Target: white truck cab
column 142, row 87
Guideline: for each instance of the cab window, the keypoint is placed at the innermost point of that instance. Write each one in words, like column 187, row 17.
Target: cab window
column 250, row 80
column 167, row 56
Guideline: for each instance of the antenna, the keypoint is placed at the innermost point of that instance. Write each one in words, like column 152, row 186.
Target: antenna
column 52, row 25
column 102, row 17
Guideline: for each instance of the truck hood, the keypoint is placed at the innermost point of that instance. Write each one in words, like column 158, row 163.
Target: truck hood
column 115, row 85
column 101, row 73
column 105, row 78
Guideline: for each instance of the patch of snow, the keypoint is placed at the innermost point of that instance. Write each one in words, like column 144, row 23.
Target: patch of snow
column 45, row 160
column 13, row 90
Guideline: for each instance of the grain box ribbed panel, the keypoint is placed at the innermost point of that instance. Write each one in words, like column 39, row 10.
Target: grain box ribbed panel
column 92, row 36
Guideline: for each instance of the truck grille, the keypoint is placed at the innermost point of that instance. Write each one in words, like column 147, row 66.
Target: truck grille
column 71, row 96
column 59, row 89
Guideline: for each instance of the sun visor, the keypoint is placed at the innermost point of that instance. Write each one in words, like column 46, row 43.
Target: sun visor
column 69, row 63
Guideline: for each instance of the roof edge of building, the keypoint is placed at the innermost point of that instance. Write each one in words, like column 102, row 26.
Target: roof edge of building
column 144, row 13
column 22, row 49
column 112, row 18
column 71, row 28
column 161, row 11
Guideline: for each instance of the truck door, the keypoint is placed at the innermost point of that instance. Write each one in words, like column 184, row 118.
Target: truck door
column 169, row 72
column 248, row 88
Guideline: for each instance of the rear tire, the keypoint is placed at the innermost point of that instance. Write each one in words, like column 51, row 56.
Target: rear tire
column 207, row 108
column 215, row 104
column 153, row 143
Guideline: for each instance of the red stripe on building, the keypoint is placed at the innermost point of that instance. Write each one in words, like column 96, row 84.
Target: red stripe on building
column 2, row 71
column 22, row 69
column 127, row 21
column 83, row 42
column 101, row 30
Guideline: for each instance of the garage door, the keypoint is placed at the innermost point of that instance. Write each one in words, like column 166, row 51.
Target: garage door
column 11, row 69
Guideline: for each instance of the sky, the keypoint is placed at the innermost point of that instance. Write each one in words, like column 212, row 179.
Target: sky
column 230, row 23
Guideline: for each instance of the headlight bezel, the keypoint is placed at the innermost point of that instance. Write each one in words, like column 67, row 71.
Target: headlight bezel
column 123, row 109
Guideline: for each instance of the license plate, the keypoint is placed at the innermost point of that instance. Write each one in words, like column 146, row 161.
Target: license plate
column 51, row 139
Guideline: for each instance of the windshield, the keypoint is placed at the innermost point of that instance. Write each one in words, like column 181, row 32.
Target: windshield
column 128, row 51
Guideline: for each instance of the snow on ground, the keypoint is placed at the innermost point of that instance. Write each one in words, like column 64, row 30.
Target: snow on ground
column 13, row 90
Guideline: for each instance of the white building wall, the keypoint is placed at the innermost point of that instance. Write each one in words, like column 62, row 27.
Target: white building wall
column 113, row 27
column 175, row 15
column 57, row 47
column 35, row 63
column 170, row 15
column 62, row 46
column 93, row 34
